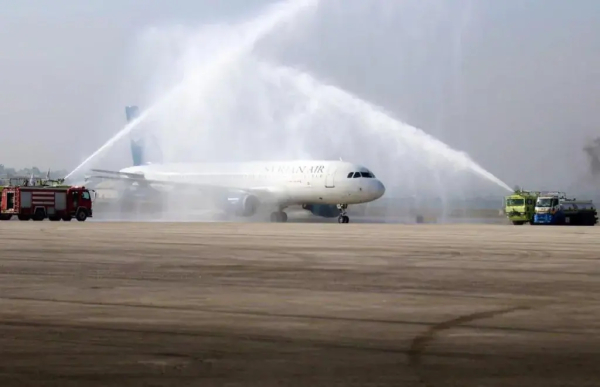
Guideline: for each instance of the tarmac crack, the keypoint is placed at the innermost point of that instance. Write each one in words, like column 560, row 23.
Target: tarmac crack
column 420, row 343
column 434, row 328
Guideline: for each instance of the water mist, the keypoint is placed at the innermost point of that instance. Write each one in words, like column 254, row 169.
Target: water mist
column 240, row 40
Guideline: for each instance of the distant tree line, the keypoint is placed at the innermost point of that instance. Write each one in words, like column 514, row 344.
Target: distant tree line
column 37, row 172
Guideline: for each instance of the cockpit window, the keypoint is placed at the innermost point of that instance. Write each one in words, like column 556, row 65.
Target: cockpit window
column 368, row 175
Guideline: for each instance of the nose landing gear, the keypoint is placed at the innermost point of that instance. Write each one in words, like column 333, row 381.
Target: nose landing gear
column 343, row 218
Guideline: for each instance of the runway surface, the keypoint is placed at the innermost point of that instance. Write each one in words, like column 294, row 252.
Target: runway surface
column 226, row 304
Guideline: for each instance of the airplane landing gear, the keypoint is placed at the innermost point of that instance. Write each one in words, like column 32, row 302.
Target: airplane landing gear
column 343, row 218
column 279, row 217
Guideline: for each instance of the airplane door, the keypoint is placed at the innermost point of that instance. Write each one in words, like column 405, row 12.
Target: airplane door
column 329, row 182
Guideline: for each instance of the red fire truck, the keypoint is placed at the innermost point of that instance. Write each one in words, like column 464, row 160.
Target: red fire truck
column 41, row 202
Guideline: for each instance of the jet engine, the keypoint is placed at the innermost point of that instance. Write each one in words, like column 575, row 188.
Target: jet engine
column 243, row 205
column 323, row 210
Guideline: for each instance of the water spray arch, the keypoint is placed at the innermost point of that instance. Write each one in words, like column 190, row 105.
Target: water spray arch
column 236, row 106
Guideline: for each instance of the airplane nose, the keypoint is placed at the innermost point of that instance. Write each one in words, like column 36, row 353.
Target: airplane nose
column 378, row 189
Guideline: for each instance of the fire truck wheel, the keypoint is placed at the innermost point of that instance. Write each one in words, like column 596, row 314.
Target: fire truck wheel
column 81, row 215
column 39, row 215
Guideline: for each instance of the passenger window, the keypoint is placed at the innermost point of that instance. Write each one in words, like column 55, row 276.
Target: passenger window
column 85, row 195
column 350, row 175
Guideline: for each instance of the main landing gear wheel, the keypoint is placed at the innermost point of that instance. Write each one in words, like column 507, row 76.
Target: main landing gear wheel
column 279, row 217
column 343, row 218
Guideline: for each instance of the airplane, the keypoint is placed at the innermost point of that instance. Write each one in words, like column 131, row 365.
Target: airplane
column 323, row 187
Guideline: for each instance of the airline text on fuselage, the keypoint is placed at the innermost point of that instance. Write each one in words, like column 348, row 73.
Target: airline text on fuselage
column 294, row 169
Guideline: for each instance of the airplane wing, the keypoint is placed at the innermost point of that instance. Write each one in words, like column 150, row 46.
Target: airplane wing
column 117, row 173
column 103, row 174
column 264, row 192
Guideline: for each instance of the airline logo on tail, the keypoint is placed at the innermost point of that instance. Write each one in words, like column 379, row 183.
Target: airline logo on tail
column 138, row 146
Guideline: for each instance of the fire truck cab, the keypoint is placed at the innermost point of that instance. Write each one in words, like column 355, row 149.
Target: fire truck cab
column 41, row 202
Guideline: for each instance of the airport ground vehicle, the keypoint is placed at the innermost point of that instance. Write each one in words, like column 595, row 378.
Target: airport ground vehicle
column 41, row 202
column 557, row 209
column 1, row 189
column 520, row 206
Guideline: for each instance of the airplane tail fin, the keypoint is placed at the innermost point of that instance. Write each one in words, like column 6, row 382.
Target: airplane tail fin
column 139, row 145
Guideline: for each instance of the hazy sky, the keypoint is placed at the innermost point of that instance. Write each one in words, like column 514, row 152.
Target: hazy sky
column 515, row 84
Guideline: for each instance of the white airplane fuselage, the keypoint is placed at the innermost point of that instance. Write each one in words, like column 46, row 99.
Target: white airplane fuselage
column 285, row 182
